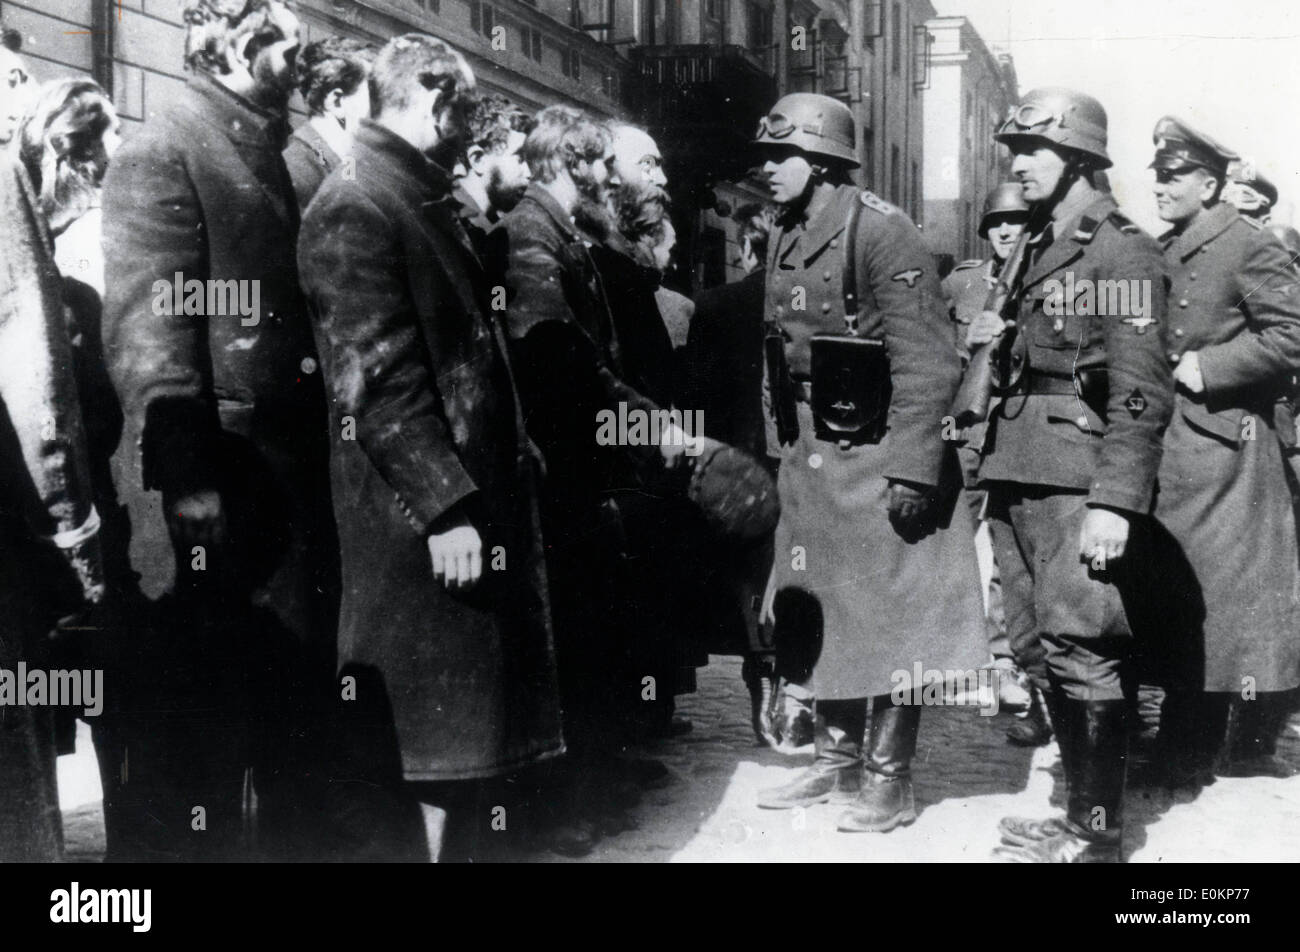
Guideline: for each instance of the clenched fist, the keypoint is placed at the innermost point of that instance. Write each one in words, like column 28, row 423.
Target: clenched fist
column 986, row 326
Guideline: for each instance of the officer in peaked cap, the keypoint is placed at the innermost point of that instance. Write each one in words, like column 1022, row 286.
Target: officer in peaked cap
column 1233, row 336
column 1071, row 458
column 875, row 561
column 1250, row 190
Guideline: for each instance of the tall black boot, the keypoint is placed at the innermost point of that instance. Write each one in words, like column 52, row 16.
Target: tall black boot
column 885, row 800
column 836, row 771
column 1192, row 725
column 1068, row 723
column 1252, row 747
column 1094, row 818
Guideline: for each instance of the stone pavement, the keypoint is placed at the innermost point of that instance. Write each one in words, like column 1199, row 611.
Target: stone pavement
column 966, row 778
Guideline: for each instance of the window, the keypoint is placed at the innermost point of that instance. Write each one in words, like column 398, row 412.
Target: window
column 896, row 39
column 894, row 176
column 482, row 18
column 532, row 45
column 571, row 64
column 711, row 9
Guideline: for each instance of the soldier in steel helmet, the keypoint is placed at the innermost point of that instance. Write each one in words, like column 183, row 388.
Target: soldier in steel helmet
column 1071, row 458
column 1228, row 594
column 967, row 289
column 875, row 563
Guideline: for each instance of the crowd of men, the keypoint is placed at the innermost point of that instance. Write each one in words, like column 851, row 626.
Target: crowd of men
column 302, row 450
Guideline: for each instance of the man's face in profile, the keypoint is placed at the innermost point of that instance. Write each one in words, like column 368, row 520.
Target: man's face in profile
column 272, row 63
column 16, row 93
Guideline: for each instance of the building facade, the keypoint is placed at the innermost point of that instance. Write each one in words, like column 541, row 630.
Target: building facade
column 971, row 89
column 697, row 73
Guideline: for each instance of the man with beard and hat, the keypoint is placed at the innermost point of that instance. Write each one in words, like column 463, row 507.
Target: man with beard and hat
column 1229, row 592
column 223, row 465
column 1071, row 457
column 875, row 571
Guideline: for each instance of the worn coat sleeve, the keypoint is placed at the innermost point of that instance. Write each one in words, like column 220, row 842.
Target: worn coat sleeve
column 1136, row 362
column 924, row 365
column 373, row 353
column 154, row 229
column 38, row 391
column 562, row 375
column 1268, row 288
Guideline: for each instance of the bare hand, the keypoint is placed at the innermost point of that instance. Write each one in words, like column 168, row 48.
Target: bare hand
column 457, row 556
column 1188, row 372
column 198, row 518
column 983, row 328
column 1103, row 538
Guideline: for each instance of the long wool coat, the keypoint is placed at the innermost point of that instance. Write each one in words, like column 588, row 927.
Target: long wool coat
column 1234, row 579
column 880, row 602
column 417, row 366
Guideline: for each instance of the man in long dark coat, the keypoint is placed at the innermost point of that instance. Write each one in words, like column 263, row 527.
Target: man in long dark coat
column 1234, row 608
column 444, row 627
column 224, row 463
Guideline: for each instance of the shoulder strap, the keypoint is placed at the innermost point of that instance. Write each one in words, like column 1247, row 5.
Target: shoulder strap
column 849, row 281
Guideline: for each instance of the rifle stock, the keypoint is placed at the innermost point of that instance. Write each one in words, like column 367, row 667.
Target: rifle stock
column 976, row 391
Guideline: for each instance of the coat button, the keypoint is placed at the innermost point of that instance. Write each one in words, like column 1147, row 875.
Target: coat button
column 835, row 243
column 308, row 365
column 1192, row 276
column 826, row 275
column 1178, row 332
column 1182, row 302
column 1082, row 422
column 1174, row 358
column 826, row 308
column 815, row 460
column 779, row 310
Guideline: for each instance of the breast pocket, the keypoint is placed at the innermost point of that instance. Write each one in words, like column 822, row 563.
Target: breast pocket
column 1056, row 323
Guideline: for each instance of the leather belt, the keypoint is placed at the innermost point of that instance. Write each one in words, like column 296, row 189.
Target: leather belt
column 1040, row 383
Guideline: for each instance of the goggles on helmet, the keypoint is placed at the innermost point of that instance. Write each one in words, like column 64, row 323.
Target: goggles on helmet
column 1031, row 115
column 777, row 126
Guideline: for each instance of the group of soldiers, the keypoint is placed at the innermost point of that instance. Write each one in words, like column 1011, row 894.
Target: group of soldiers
column 1135, row 468
column 353, row 557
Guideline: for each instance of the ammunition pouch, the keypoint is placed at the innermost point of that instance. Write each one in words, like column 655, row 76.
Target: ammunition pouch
column 851, row 388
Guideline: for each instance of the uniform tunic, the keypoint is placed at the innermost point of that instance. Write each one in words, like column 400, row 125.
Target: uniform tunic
column 1048, row 457
column 1223, row 494
column 879, row 602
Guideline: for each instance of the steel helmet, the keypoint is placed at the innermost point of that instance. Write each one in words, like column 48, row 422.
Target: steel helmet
column 1004, row 199
column 812, row 123
column 1062, row 117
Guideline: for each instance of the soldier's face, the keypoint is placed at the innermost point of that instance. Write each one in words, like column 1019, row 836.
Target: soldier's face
column 1003, row 234
column 1038, row 169
column 788, row 177
column 1181, row 194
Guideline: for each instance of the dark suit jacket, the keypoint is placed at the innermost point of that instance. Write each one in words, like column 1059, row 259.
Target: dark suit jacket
column 217, row 400
column 724, row 363
column 416, row 362
column 309, row 159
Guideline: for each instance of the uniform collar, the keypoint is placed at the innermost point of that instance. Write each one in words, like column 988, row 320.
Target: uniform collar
column 814, row 235
column 1083, row 226
column 1204, row 228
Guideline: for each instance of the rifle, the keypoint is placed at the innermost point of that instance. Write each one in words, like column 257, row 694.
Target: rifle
column 976, row 391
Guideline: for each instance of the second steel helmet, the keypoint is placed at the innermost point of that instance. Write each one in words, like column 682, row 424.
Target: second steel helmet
column 1004, row 199
column 815, row 124
column 1063, row 117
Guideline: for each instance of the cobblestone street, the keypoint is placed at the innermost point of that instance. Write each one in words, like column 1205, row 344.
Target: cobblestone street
column 966, row 778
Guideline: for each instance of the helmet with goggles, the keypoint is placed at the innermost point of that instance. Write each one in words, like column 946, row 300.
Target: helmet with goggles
column 814, row 124
column 1062, row 117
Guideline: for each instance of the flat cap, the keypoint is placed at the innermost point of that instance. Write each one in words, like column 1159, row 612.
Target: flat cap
column 1179, row 146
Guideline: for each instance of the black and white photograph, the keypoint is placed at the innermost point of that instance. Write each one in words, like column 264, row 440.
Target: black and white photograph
column 650, row 431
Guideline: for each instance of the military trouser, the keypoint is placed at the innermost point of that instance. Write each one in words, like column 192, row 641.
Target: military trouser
column 1067, row 623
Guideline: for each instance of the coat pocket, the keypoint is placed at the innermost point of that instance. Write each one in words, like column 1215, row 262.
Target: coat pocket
column 1225, row 424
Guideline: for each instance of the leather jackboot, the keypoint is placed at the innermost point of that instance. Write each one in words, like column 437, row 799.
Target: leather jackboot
column 1094, row 819
column 1252, row 748
column 836, row 771
column 885, row 800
